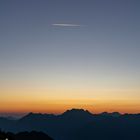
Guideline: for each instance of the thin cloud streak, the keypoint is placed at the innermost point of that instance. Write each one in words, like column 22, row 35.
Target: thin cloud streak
column 66, row 25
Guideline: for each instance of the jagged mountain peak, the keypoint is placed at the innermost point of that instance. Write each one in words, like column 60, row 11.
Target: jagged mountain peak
column 77, row 112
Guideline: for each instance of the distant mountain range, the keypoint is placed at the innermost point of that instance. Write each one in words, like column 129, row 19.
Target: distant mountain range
column 78, row 124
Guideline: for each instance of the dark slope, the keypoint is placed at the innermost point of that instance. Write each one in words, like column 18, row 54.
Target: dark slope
column 24, row 136
column 122, row 128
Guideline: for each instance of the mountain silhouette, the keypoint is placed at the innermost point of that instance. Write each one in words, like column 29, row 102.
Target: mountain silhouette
column 78, row 124
column 77, row 113
column 114, row 114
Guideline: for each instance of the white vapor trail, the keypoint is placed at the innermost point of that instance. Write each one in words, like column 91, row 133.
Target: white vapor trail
column 66, row 25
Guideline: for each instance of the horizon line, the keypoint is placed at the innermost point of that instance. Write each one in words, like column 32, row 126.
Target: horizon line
column 22, row 114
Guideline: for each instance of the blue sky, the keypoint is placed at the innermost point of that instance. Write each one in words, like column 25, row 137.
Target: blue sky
column 102, row 52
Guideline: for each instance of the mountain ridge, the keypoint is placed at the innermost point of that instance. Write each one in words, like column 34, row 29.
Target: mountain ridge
column 68, row 111
column 77, row 124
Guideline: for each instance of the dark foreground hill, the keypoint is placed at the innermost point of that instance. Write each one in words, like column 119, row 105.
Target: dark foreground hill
column 24, row 136
column 78, row 124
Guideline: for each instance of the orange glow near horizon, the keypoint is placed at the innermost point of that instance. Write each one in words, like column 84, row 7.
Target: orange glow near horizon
column 59, row 106
column 57, row 101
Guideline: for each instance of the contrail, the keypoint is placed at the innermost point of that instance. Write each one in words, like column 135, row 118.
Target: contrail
column 66, row 25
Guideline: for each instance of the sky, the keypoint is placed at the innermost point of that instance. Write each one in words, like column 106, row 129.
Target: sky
column 56, row 55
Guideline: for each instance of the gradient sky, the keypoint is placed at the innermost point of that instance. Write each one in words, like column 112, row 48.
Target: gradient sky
column 59, row 54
